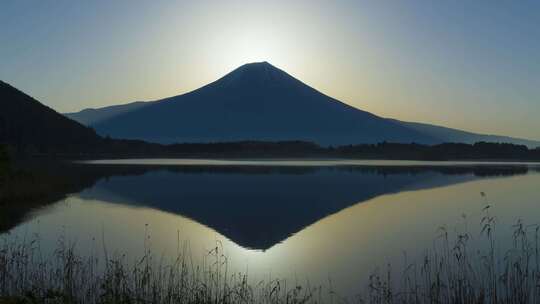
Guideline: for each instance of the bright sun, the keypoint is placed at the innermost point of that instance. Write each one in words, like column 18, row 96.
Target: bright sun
column 233, row 48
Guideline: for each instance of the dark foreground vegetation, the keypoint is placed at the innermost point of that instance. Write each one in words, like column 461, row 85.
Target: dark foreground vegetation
column 454, row 271
column 4, row 163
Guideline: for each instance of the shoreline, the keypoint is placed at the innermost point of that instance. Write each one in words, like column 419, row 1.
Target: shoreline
column 308, row 162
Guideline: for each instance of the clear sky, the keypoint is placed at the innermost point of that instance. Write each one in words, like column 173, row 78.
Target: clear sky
column 473, row 65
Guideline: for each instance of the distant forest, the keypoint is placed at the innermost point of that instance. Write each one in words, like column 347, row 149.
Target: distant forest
column 112, row 148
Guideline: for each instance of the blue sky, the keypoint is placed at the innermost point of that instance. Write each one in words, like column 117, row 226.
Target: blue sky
column 473, row 65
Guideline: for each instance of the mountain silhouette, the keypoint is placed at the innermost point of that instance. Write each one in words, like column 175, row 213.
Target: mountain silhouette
column 29, row 125
column 449, row 135
column 92, row 116
column 258, row 101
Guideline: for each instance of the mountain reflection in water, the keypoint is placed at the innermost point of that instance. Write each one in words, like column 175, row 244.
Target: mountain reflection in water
column 258, row 207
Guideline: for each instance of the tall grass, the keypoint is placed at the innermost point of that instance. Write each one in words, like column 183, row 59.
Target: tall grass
column 26, row 275
column 467, row 270
column 460, row 268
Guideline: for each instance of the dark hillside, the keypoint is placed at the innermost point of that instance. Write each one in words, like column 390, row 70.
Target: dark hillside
column 31, row 127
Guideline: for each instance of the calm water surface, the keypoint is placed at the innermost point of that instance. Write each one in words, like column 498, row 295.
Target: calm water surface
column 299, row 220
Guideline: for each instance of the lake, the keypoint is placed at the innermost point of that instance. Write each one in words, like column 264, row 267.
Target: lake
column 316, row 221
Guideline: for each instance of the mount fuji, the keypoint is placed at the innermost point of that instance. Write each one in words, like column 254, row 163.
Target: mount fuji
column 258, row 101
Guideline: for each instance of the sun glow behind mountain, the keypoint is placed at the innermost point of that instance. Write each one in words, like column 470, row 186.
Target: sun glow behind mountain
column 248, row 45
column 437, row 62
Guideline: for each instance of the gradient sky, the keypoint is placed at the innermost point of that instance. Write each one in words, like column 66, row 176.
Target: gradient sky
column 473, row 65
